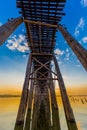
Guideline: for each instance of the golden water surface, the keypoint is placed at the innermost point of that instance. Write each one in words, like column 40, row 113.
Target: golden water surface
column 9, row 108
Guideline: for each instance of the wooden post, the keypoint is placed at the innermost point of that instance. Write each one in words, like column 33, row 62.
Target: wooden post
column 68, row 110
column 54, row 106
column 23, row 102
column 30, row 99
column 7, row 29
column 35, row 109
column 41, row 111
column 80, row 52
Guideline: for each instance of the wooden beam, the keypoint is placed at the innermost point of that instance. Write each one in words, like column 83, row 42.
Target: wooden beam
column 7, row 29
column 40, row 23
column 44, row 65
column 67, row 107
column 31, row 39
column 41, row 111
column 41, row 54
column 44, row 78
column 54, row 106
column 39, row 67
column 79, row 51
column 29, row 110
column 23, row 102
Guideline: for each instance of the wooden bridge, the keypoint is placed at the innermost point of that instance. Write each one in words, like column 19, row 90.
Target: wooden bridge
column 38, row 108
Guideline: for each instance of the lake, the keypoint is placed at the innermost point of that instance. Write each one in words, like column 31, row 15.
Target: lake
column 9, row 108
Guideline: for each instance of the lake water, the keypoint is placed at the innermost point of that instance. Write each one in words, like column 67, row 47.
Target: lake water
column 9, row 108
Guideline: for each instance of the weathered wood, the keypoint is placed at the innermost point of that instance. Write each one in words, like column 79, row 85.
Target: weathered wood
column 41, row 54
column 7, row 29
column 31, row 39
column 23, row 102
column 40, row 23
column 67, row 107
column 43, row 65
column 41, row 112
column 79, row 51
column 35, row 109
column 30, row 99
column 54, row 106
column 44, row 78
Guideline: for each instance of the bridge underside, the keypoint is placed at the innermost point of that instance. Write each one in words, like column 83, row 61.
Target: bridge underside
column 41, row 19
column 38, row 108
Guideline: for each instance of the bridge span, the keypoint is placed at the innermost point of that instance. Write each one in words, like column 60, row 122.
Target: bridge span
column 38, row 108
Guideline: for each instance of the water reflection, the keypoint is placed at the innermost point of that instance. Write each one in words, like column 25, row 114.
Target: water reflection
column 8, row 112
column 9, row 108
column 79, row 106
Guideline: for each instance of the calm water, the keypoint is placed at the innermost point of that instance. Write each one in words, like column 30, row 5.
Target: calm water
column 9, row 107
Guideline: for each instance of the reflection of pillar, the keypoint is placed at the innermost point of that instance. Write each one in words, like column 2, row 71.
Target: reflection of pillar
column 67, row 108
column 54, row 106
column 23, row 102
column 80, row 52
column 7, row 29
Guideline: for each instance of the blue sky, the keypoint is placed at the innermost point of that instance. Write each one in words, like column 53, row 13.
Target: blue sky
column 12, row 53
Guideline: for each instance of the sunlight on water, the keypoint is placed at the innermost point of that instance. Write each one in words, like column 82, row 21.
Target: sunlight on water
column 8, row 112
column 79, row 106
column 9, row 108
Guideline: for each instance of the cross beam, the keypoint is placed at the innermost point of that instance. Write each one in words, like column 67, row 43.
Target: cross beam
column 40, row 23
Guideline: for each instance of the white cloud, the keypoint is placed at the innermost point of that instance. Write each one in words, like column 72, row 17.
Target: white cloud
column 0, row 24
column 84, row 39
column 67, row 56
column 79, row 27
column 58, row 52
column 78, row 65
column 17, row 43
column 84, row 3
column 65, row 77
column 67, row 52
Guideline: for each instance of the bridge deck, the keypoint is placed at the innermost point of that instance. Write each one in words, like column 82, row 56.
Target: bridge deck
column 41, row 38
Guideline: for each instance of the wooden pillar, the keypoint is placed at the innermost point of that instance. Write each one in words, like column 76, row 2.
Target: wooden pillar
column 67, row 107
column 7, row 29
column 41, row 111
column 23, row 102
column 35, row 109
column 54, row 106
column 30, row 99
column 79, row 51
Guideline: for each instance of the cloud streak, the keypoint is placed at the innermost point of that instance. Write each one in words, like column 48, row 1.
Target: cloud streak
column 84, row 3
column 84, row 39
column 67, row 56
column 58, row 52
column 17, row 43
column 79, row 27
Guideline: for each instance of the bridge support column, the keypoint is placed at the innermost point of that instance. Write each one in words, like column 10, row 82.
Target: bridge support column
column 7, row 29
column 80, row 52
column 54, row 106
column 24, row 97
column 29, row 111
column 41, row 110
column 67, row 108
